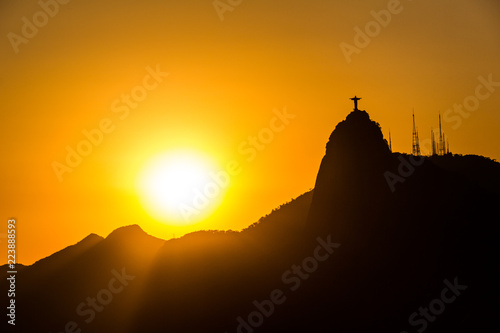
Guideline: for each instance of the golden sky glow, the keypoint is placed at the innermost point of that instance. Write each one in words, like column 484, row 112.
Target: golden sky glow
column 257, row 94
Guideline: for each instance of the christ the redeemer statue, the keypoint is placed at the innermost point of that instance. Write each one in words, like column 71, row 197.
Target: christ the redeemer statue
column 356, row 99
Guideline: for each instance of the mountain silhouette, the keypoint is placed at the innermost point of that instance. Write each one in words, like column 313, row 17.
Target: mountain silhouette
column 381, row 238
column 350, row 175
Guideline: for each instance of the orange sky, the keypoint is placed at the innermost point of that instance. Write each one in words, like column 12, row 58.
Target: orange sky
column 225, row 79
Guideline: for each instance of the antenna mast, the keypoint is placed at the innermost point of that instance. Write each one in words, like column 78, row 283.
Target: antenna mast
column 390, row 141
column 416, row 144
column 441, row 138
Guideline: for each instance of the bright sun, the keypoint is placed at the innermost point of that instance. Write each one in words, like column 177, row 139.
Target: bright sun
column 179, row 187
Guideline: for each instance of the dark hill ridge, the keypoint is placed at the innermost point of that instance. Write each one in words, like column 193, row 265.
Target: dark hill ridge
column 396, row 250
column 133, row 234
column 483, row 171
column 130, row 231
column 48, row 266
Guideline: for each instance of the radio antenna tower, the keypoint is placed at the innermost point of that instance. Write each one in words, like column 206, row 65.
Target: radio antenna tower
column 444, row 145
column 433, row 142
column 441, row 138
column 416, row 144
column 390, row 141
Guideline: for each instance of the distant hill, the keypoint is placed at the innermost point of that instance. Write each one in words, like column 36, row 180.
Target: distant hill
column 481, row 170
column 382, row 237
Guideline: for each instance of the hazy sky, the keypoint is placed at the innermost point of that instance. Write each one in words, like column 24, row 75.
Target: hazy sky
column 230, row 69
